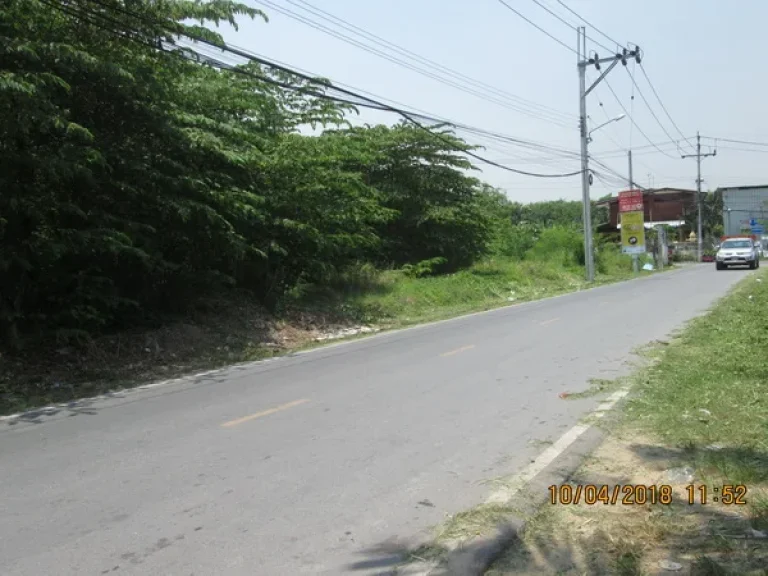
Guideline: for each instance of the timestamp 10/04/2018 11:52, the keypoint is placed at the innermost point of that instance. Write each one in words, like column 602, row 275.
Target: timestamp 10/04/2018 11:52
column 642, row 494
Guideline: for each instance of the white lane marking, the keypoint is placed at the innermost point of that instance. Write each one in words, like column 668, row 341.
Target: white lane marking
column 549, row 455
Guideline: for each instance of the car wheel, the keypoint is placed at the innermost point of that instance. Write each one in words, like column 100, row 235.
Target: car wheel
column 719, row 266
column 751, row 265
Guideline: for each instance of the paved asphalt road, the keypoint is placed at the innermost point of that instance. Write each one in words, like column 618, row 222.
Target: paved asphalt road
column 324, row 462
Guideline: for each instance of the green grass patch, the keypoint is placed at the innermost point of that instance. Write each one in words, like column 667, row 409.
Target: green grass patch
column 400, row 300
column 701, row 405
column 711, row 386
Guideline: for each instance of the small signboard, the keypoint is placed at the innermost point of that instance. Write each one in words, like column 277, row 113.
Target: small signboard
column 755, row 227
column 633, row 232
column 631, row 201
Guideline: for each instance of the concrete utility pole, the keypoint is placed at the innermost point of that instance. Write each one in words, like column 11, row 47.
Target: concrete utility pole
column 582, row 62
column 699, row 156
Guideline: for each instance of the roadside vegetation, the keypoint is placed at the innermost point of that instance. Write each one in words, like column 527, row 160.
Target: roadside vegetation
column 698, row 418
column 159, row 215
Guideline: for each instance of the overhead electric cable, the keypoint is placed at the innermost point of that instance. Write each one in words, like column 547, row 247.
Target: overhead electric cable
column 556, row 118
column 642, row 69
column 595, row 28
column 647, row 104
column 631, row 119
column 82, row 13
column 539, row 28
column 564, row 21
column 341, row 22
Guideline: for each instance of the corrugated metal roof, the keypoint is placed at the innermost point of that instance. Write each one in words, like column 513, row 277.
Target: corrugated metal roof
column 657, row 192
column 754, row 187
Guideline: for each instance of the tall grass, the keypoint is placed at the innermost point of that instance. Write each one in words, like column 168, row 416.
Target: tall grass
column 525, row 266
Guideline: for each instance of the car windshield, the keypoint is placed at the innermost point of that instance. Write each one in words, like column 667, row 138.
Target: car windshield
column 731, row 244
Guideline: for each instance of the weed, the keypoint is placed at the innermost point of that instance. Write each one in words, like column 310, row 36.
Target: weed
column 473, row 522
column 596, row 386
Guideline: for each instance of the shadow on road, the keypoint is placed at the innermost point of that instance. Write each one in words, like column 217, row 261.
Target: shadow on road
column 91, row 406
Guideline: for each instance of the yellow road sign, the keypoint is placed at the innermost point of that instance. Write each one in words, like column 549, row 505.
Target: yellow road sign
column 633, row 232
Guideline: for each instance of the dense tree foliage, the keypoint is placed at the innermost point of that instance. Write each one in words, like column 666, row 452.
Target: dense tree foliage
column 711, row 215
column 134, row 180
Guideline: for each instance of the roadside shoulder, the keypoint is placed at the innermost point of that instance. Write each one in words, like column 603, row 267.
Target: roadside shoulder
column 681, row 484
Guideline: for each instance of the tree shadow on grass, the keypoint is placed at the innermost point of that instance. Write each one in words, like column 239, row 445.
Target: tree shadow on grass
column 617, row 543
column 740, row 465
column 698, row 539
column 396, row 556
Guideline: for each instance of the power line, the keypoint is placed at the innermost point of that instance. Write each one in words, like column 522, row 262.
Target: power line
column 666, row 143
column 379, row 106
column 420, row 113
column 631, row 76
column 732, row 141
column 595, row 28
column 642, row 69
column 539, row 28
column 737, row 149
column 329, row 17
column 84, row 14
column 564, row 21
column 631, row 119
column 607, row 116
column 493, row 136
column 624, row 179
column 604, row 181
column 539, row 115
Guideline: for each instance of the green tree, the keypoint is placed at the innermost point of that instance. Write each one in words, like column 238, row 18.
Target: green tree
column 434, row 205
column 135, row 180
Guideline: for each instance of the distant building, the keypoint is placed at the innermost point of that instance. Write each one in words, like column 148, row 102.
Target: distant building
column 667, row 206
column 745, row 210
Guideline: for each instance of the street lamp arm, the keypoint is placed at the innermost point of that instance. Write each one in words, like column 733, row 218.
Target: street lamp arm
column 619, row 117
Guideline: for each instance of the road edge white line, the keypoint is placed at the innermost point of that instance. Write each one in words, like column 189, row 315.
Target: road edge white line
column 520, row 480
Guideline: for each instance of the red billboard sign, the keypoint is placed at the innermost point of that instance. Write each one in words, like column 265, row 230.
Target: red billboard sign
column 631, row 201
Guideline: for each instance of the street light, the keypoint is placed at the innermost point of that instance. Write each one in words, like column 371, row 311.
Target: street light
column 619, row 117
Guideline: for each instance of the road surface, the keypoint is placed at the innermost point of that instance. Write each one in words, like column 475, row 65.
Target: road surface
column 327, row 462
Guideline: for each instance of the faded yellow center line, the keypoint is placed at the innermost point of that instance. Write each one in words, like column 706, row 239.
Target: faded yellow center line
column 458, row 350
column 548, row 321
column 264, row 413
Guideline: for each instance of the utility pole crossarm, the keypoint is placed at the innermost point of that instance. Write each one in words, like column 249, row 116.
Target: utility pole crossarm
column 603, row 75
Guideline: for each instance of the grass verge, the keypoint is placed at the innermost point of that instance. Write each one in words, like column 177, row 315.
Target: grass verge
column 698, row 423
column 235, row 330
column 393, row 300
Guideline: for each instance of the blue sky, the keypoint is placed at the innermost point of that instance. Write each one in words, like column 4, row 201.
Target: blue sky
column 702, row 57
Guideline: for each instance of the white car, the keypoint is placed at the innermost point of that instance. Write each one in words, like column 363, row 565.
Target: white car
column 737, row 252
